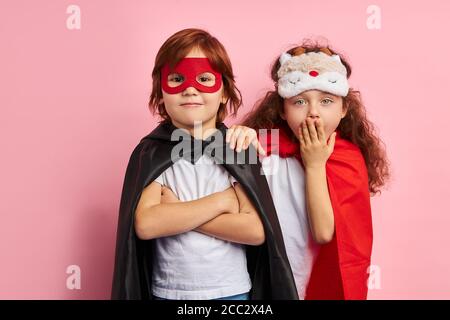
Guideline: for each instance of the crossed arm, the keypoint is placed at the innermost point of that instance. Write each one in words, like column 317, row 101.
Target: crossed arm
column 227, row 215
column 244, row 226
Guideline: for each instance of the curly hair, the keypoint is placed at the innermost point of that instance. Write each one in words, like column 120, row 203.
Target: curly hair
column 355, row 126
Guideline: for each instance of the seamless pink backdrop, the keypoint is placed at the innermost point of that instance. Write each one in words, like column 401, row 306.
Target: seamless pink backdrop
column 74, row 104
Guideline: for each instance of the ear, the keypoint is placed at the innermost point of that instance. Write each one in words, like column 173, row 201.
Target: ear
column 282, row 115
column 344, row 111
column 224, row 99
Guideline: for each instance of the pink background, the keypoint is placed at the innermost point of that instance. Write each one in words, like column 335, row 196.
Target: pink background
column 74, row 105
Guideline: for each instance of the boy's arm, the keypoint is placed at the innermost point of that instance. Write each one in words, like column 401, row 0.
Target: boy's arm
column 155, row 219
column 243, row 227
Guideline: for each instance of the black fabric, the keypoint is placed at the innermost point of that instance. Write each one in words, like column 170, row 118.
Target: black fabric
column 268, row 265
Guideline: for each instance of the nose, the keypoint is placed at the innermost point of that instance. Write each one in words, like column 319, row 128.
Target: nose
column 189, row 91
column 313, row 112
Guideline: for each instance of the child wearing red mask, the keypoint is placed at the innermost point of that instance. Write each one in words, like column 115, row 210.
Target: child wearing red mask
column 324, row 159
column 194, row 224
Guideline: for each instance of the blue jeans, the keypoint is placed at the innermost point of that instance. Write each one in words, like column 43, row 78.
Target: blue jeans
column 241, row 296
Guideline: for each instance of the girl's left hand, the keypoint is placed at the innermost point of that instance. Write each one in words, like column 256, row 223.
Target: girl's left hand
column 240, row 137
column 167, row 195
column 314, row 148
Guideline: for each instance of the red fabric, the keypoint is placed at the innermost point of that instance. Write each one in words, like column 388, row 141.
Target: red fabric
column 341, row 268
column 190, row 69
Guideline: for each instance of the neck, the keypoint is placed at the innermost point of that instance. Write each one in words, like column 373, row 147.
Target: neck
column 198, row 130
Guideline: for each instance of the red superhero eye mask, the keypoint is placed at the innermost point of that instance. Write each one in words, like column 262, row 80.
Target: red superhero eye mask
column 190, row 72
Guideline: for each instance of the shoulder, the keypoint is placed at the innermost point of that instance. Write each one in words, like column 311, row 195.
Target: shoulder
column 140, row 148
column 347, row 151
column 273, row 163
column 347, row 163
column 144, row 152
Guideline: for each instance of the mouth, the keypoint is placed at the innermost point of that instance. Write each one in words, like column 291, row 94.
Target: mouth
column 191, row 104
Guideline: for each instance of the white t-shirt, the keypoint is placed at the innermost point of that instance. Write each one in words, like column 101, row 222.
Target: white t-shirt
column 192, row 265
column 286, row 179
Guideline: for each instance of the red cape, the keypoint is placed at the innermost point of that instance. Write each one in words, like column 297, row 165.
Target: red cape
column 341, row 268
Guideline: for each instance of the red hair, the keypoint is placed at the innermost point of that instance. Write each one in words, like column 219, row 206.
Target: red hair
column 177, row 47
column 355, row 126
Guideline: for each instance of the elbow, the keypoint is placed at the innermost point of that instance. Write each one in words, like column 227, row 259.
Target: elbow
column 259, row 239
column 258, row 236
column 323, row 237
column 142, row 229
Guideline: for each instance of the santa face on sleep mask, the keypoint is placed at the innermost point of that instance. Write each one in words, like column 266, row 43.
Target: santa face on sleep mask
column 190, row 72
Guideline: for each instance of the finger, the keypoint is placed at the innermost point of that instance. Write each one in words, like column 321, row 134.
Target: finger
column 301, row 138
column 171, row 194
column 234, row 137
column 332, row 141
column 246, row 143
column 320, row 130
column 230, row 133
column 241, row 140
column 312, row 130
column 259, row 148
column 305, row 133
column 167, row 190
column 250, row 138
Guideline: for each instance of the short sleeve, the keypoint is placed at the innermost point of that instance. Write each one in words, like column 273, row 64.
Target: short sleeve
column 233, row 180
column 160, row 179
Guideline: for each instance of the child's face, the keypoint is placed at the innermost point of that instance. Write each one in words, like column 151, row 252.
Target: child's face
column 192, row 105
column 314, row 104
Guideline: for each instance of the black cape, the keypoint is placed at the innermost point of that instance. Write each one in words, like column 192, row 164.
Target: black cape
column 268, row 265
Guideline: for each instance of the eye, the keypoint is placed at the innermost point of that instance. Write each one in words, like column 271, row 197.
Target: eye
column 300, row 102
column 207, row 79
column 327, row 101
column 175, row 79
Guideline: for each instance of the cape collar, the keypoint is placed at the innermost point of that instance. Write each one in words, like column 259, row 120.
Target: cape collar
column 192, row 148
